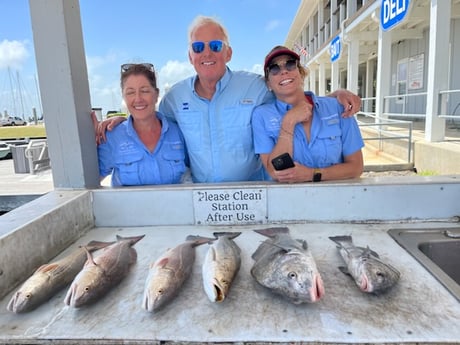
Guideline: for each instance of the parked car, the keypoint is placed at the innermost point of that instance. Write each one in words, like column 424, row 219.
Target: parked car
column 5, row 151
column 13, row 121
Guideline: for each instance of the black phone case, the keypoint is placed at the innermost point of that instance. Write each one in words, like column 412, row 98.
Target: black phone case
column 283, row 161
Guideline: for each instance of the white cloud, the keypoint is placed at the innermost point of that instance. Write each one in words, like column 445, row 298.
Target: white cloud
column 272, row 25
column 172, row 72
column 13, row 54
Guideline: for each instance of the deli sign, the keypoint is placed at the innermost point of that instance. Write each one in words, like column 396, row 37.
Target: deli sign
column 392, row 12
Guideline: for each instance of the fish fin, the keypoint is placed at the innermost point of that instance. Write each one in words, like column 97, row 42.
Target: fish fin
column 344, row 270
column 47, row 267
column 199, row 240
column 89, row 257
column 95, row 245
column 303, row 243
column 162, row 262
column 133, row 239
column 272, row 232
column 367, row 252
column 342, row 238
column 212, row 253
column 231, row 235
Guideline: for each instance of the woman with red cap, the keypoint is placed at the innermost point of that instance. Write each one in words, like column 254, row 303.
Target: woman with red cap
column 323, row 144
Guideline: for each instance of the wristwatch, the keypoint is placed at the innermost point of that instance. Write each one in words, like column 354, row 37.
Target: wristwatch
column 317, row 175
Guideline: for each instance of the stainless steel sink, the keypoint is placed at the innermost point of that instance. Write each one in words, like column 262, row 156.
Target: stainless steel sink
column 438, row 250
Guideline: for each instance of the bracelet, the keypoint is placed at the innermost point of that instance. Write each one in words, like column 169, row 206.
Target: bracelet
column 285, row 131
column 289, row 137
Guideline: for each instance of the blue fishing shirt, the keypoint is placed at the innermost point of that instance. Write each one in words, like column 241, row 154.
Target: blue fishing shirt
column 332, row 136
column 218, row 132
column 128, row 160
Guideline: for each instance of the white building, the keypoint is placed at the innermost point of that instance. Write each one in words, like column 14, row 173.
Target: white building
column 406, row 70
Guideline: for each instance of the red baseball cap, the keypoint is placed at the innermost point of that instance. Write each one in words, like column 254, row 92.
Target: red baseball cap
column 277, row 51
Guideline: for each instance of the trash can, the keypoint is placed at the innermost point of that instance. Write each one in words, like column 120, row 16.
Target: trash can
column 21, row 163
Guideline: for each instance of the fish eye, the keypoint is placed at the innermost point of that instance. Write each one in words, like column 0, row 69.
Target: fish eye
column 86, row 288
column 292, row 275
column 28, row 295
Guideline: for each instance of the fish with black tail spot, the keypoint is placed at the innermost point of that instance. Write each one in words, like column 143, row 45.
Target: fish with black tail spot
column 168, row 273
column 103, row 272
column 48, row 279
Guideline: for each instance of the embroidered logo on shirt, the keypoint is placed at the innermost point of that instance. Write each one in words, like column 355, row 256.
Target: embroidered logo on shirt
column 247, row 101
column 331, row 119
column 185, row 106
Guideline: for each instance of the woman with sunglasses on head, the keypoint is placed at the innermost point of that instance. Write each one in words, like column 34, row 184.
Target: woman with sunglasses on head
column 323, row 144
column 147, row 149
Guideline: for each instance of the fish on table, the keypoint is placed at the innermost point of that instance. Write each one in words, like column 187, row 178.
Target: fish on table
column 369, row 272
column 286, row 266
column 168, row 273
column 221, row 264
column 48, row 279
column 102, row 272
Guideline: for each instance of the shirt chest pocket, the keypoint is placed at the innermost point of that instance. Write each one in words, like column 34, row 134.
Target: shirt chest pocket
column 237, row 127
column 329, row 142
column 128, row 167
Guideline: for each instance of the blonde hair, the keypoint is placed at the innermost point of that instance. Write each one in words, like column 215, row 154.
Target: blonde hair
column 204, row 20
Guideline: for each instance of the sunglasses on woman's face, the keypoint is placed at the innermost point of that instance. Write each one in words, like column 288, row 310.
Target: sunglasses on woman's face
column 125, row 67
column 275, row 68
column 215, row 46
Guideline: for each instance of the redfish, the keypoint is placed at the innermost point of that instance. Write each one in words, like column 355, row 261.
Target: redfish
column 102, row 272
column 50, row 278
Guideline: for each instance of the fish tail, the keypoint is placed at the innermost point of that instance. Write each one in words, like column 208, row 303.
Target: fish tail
column 342, row 239
column 272, row 232
column 231, row 235
column 199, row 240
column 132, row 240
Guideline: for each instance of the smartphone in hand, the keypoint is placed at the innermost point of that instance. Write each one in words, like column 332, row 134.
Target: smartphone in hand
column 283, row 161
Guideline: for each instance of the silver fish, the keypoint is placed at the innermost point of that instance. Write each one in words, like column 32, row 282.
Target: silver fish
column 102, row 272
column 168, row 273
column 221, row 264
column 287, row 267
column 370, row 273
column 50, row 278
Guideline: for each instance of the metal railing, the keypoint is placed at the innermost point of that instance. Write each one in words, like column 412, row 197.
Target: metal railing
column 386, row 130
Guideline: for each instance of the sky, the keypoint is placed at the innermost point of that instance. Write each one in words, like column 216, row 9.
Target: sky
column 117, row 32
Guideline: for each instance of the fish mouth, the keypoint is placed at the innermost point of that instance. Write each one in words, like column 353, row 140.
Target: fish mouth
column 219, row 294
column 317, row 291
column 364, row 285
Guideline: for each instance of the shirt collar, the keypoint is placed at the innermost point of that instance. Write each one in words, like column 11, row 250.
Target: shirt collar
column 284, row 107
column 221, row 84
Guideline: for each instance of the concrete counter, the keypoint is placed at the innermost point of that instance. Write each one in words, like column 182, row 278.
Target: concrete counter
column 418, row 309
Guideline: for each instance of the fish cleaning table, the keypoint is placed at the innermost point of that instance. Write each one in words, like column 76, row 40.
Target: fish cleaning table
column 417, row 310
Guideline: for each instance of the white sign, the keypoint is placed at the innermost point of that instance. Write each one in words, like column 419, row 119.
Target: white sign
column 230, row 206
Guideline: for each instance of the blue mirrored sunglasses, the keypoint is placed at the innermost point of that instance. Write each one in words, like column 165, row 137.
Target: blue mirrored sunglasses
column 126, row 66
column 215, row 46
column 275, row 68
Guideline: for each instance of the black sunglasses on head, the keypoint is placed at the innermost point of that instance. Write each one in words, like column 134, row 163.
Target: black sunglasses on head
column 127, row 66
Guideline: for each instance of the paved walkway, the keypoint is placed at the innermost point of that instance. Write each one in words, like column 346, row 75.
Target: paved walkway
column 22, row 184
